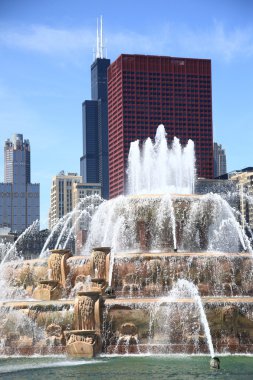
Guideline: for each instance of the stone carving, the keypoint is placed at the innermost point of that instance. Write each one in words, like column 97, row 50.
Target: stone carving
column 230, row 314
column 57, row 265
column 54, row 330
column 47, row 290
column 128, row 329
column 54, row 335
column 80, row 338
column 84, row 311
column 85, row 340
column 99, row 264
column 81, row 278
column 80, row 343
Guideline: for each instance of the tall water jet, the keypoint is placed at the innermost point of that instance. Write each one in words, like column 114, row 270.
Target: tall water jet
column 182, row 290
column 166, row 218
column 156, row 168
column 182, row 286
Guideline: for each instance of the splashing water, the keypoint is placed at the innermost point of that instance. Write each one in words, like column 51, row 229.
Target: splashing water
column 189, row 223
column 29, row 230
column 89, row 203
column 55, row 229
column 213, row 216
column 184, row 289
column 155, row 168
column 83, row 213
column 182, row 286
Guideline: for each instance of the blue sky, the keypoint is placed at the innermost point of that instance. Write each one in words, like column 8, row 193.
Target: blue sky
column 45, row 56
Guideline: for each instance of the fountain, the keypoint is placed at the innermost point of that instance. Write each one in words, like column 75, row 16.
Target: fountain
column 177, row 277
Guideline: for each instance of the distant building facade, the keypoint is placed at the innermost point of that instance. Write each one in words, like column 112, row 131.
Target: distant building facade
column 19, row 198
column 244, row 183
column 82, row 190
column 145, row 91
column 85, row 195
column 61, row 199
column 80, row 193
column 219, row 160
column 216, row 186
column 94, row 161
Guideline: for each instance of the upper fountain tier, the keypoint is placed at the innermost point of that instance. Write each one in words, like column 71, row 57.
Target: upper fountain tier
column 166, row 222
column 153, row 217
column 157, row 168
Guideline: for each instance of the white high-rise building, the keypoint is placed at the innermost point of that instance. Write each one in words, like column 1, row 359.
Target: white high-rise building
column 62, row 196
column 220, row 161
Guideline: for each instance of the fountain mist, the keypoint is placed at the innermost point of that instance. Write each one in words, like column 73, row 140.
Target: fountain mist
column 156, row 168
column 29, row 230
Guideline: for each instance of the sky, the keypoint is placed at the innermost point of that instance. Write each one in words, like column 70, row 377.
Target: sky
column 46, row 49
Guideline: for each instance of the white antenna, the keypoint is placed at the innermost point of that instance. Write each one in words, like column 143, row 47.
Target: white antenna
column 98, row 44
column 100, row 48
column 101, row 37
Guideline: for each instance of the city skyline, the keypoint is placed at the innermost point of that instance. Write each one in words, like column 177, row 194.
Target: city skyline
column 45, row 66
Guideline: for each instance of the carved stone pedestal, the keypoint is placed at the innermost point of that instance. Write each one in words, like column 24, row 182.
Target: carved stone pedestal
column 48, row 290
column 83, row 343
column 85, row 340
column 87, row 311
column 98, row 285
column 57, row 265
column 58, row 270
column 100, row 263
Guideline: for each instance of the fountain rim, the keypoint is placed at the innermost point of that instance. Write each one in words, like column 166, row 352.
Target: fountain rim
column 150, row 254
column 160, row 195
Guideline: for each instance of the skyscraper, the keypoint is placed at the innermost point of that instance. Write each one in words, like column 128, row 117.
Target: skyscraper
column 94, row 162
column 61, row 199
column 145, row 91
column 219, row 160
column 19, row 198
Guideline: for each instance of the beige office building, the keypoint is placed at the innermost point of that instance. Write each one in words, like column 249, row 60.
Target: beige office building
column 82, row 190
column 85, row 196
column 62, row 196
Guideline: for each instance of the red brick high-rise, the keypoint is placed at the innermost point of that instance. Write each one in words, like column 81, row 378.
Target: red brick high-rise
column 145, row 91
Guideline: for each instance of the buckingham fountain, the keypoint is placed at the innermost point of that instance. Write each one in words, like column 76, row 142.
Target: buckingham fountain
column 163, row 270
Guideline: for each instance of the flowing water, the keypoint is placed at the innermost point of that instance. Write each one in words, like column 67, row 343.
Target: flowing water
column 157, row 168
column 167, row 309
column 126, row 368
column 26, row 234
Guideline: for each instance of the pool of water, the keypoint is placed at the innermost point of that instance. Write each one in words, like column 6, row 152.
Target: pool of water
column 126, row 367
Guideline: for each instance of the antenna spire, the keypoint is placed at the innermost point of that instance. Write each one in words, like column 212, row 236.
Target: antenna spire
column 101, row 37
column 99, row 47
column 98, row 43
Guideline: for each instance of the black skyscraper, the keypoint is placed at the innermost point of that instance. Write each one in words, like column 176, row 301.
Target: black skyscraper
column 94, row 162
